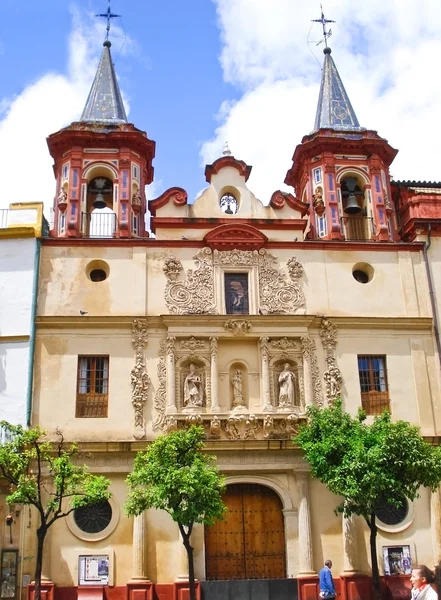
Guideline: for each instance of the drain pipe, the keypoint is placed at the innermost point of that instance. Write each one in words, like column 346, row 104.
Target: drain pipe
column 32, row 334
column 432, row 293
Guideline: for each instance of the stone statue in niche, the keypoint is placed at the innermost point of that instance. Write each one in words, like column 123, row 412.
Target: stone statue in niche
column 193, row 388
column 237, row 383
column 287, row 381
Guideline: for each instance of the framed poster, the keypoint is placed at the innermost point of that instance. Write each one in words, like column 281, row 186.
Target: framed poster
column 397, row 560
column 93, row 569
column 9, row 574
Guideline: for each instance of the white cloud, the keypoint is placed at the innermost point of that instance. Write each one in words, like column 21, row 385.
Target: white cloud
column 45, row 106
column 386, row 52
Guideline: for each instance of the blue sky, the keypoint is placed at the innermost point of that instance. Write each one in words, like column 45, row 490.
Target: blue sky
column 197, row 73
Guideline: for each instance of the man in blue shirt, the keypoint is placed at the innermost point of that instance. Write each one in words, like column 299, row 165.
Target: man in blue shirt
column 327, row 589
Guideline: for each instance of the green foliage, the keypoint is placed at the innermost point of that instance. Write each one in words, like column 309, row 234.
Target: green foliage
column 43, row 474
column 367, row 465
column 176, row 476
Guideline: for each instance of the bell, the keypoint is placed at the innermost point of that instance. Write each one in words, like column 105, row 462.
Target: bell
column 228, row 210
column 352, row 206
column 99, row 201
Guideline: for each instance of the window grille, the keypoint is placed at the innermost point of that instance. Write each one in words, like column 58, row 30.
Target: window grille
column 373, row 384
column 93, row 385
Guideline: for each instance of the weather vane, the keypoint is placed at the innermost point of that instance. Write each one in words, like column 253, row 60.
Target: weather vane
column 108, row 15
column 323, row 21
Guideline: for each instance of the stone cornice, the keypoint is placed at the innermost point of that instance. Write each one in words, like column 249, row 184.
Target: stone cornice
column 273, row 323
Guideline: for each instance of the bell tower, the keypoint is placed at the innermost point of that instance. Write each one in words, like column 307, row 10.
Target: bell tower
column 102, row 164
column 342, row 169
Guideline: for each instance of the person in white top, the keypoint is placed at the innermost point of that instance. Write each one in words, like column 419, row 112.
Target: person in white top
column 421, row 579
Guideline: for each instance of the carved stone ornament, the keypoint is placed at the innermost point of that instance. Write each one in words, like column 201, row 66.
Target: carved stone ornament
column 284, row 343
column 309, row 353
column 160, row 423
column 192, row 344
column 139, row 379
column 332, row 376
column 194, row 295
column 237, row 326
column 279, row 292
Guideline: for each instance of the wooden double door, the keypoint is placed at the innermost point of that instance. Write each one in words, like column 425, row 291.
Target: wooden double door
column 250, row 542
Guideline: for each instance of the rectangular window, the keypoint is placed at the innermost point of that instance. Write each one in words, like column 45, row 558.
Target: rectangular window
column 93, row 386
column 373, row 384
column 236, row 293
column 318, row 175
column 135, row 172
column 135, row 224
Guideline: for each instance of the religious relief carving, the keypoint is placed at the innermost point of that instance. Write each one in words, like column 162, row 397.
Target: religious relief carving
column 194, row 295
column 287, row 383
column 160, row 423
column 170, row 423
column 62, row 199
column 317, row 201
column 309, row 349
column 139, row 379
column 215, row 428
column 332, row 376
column 192, row 344
column 193, row 392
column 193, row 420
column 284, row 428
column 277, row 294
column 237, row 326
column 237, row 383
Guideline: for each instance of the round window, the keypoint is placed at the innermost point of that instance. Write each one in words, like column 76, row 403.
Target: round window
column 393, row 519
column 97, row 275
column 97, row 270
column 363, row 272
column 94, row 518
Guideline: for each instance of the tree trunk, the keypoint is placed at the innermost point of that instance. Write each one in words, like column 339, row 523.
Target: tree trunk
column 41, row 535
column 189, row 549
column 373, row 546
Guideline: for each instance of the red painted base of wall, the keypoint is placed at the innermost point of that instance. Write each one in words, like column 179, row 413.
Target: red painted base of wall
column 357, row 587
column 140, row 590
column 47, row 591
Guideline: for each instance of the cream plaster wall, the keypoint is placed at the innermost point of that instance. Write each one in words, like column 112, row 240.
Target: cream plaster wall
column 136, row 283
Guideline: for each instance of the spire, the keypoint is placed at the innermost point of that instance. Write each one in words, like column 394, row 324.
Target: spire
column 226, row 151
column 104, row 103
column 334, row 109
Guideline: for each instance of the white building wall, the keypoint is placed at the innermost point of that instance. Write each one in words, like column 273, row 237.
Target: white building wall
column 17, row 263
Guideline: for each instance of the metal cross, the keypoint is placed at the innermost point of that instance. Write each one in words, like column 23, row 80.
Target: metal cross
column 108, row 15
column 323, row 21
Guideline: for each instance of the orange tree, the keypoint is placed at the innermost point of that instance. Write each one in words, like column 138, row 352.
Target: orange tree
column 368, row 465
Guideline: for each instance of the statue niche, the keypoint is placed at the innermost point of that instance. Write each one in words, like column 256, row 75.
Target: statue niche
column 238, row 377
column 286, row 386
column 192, row 378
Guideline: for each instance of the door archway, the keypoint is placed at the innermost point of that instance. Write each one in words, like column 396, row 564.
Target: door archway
column 250, row 542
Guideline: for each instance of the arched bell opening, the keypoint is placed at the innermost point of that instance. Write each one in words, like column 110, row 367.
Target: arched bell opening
column 357, row 225
column 99, row 217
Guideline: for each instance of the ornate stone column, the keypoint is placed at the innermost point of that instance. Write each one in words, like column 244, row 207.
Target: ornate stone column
column 332, row 376
column 290, row 516
column 435, row 521
column 171, row 400
column 139, row 378
column 350, row 558
column 305, row 534
column 139, row 552
column 267, row 406
column 215, row 408
column 307, row 372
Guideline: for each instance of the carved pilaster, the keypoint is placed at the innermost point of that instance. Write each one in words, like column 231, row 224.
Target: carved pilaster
column 170, row 356
column 312, row 385
column 435, row 520
column 139, row 379
column 266, row 391
column 332, row 376
column 305, row 534
column 139, row 552
column 214, row 376
column 350, row 558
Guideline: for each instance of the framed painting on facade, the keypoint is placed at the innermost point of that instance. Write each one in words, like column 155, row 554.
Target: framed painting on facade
column 93, row 569
column 397, row 560
column 9, row 574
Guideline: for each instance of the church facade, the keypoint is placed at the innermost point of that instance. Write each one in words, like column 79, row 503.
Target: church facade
column 236, row 315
